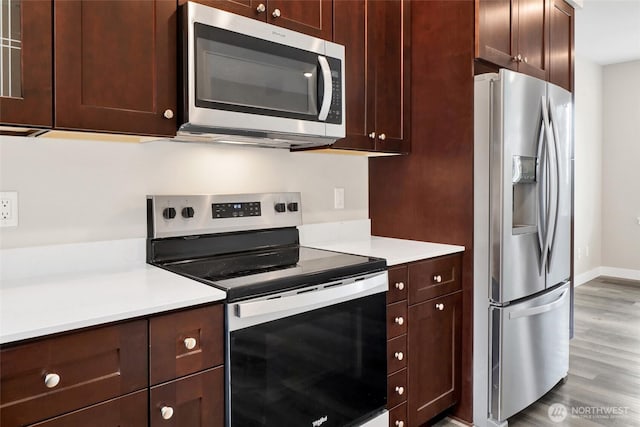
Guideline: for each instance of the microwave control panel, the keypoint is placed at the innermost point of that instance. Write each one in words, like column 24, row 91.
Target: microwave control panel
column 335, row 110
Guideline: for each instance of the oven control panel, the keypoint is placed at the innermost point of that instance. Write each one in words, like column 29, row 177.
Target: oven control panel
column 235, row 210
column 190, row 215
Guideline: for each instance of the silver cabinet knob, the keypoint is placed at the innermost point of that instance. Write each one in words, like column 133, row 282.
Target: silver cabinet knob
column 400, row 390
column 382, row 137
column 399, row 355
column 276, row 13
column 399, row 320
column 440, row 307
column 166, row 412
column 400, row 285
column 261, row 8
column 525, row 59
column 437, row 278
column 517, row 58
column 372, row 135
column 399, row 423
column 51, row 380
column 190, row 343
column 168, row 114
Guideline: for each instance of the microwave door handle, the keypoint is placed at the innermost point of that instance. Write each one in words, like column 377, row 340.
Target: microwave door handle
column 328, row 92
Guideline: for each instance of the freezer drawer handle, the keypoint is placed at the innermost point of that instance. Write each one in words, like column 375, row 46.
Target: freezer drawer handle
column 540, row 309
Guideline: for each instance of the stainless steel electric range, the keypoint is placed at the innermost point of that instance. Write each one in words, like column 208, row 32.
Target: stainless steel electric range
column 305, row 328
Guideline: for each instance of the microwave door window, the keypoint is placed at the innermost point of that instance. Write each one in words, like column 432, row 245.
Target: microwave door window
column 249, row 80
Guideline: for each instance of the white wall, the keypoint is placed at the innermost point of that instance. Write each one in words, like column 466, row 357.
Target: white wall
column 621, row 167
column 80, row 191
column 588, row 166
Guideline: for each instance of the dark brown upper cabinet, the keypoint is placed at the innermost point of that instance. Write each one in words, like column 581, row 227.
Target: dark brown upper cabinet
column 514, row 34
column 376, row 36
column 312, row 17
column 115, row 66
column 561, row 37
column 25, row 49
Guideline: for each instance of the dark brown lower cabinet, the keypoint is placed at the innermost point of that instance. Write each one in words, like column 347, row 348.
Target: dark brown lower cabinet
column 193, row 401
column 434, row 340
column 125, row 411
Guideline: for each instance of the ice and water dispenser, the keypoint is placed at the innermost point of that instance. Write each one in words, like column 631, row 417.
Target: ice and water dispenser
column 525, row 201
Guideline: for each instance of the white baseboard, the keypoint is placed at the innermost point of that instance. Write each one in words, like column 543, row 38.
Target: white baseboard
column 587, row 276
column 620, row 273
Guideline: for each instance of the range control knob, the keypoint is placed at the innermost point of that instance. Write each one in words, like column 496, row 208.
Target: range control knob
column 187, row 212
column 169, row 213
column 292, row 207
column 280, row 207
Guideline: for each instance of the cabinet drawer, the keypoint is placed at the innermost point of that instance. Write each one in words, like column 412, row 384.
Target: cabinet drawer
column 125, row 411
column 397, row 284
column 398, row 416
column 396, row 319
column 396, row 388
column 52, row 376
column 185, row 342
column 194, row 401
column 434, row 277
column 397, row 354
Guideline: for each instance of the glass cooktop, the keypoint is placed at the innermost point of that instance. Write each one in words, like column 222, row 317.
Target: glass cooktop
column 262, row 272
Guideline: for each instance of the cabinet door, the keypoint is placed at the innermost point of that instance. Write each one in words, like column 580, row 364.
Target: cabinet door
column 115, row 66
column 185, row 342
column 125, row 411
column 561, row 44
column 51, row 376
column 351, row 29
column 434, row 357
column 194, row 401
column 248, row 8
column 533, row 37
column 25, row 63
column 312, row 17
column 391, row 20
column 495, row 41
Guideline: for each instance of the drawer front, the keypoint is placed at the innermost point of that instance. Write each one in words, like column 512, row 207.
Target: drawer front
column 52, row 376
column 396, row 388
column 396, row 319
column 125, row 411
column 398, row 416
column 434, row 277
column 193, row 401
column 397, row 284
column 396, row 354
column 185, row 342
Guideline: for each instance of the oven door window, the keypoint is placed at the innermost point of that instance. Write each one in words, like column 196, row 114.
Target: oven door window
column 237, row 72
column 330, row 362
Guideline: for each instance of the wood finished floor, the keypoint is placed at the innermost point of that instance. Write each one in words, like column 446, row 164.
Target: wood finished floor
column 604, row 361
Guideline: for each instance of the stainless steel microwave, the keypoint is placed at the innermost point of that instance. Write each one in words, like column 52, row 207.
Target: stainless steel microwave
column 246, row 81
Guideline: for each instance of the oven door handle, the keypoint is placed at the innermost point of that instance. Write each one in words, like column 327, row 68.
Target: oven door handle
column 313, row 299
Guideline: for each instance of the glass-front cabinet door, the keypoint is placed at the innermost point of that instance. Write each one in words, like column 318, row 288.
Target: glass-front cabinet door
column 25, row 63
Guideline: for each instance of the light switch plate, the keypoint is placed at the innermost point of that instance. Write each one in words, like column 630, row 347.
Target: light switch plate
column 338, row 198
column 9, row 209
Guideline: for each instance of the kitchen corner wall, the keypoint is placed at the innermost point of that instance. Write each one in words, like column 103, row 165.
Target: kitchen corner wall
column 621, row 167
column 81, row 191
column 588, row 166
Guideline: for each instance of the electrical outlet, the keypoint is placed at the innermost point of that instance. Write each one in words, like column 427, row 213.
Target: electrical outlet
column 9, row 209
column 338, row 198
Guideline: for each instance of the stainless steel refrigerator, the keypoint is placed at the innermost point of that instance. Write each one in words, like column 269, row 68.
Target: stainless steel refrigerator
column 523, row 183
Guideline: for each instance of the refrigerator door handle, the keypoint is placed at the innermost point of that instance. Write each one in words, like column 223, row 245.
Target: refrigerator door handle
column 555, row 180
column 541, row 196
column 528, row 312
column 543, row 193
